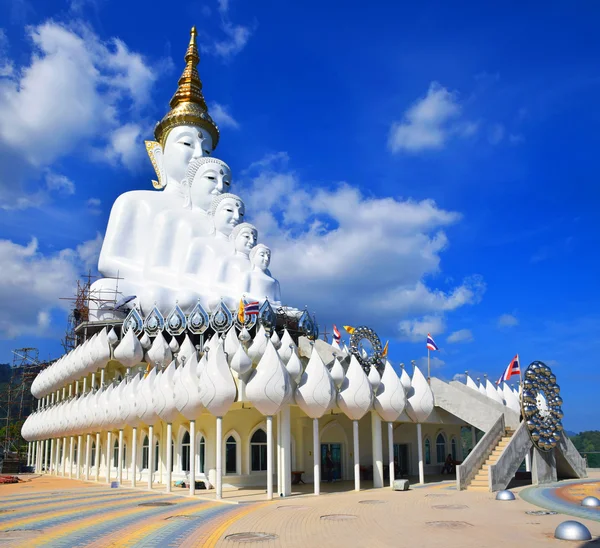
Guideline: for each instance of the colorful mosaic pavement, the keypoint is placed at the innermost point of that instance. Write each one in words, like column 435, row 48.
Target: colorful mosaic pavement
column 102, row 517
column 565, row 497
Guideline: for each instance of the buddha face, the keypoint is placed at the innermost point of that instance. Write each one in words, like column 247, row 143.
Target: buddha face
column 183, row 144
column 262, row 258
column 210, row 181
column 229, row 213
column 246, row 240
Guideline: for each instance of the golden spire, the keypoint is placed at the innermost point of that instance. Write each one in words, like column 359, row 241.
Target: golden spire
column 188, row 105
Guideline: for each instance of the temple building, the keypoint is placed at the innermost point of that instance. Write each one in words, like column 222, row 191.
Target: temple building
column 191, row 367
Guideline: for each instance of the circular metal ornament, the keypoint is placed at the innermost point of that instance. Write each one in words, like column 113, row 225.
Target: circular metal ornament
column 541, row 406
column 357, row 349
column 572, row 530
column 505, row 495
column 591, row 502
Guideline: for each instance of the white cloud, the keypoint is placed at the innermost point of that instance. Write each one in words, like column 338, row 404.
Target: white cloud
column 507, row 320
column 32, row 283
column 6, row 66
column 430, row 122
column 462, row 335
column 71, row 93
column 125, row 147
column 434, row 362
column 236, row 36
column 60, row 183
column 354, row 258
column 417, row 329
column 222, row 116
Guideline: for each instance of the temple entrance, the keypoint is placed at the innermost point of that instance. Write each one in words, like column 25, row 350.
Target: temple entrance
column 401, row 460
column 336, row 457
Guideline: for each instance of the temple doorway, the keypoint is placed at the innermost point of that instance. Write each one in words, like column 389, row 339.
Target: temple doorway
column 336, row 457
column 401, row 460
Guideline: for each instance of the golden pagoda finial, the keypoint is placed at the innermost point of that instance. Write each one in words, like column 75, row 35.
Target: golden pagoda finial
column 188, row 105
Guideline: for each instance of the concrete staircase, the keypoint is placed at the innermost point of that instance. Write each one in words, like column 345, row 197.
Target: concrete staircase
column 481, row 481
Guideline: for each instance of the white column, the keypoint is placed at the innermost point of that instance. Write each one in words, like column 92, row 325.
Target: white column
column 37, row 455
column 64, row 456
column 316, row 458
column 391, row 452
column 78, row 472
column 44, row 455
column 528, row 461
column 101, row 377
column 356, row 456
column 420, row 449
column 51, row 468
column 269, row 457
column 84, row 385
column 108, row 454
column 192, row 458
column 286, row 452
column 134, row 456
column 28, row 452
column 120, row 463
column 278, row 453
column 299, row 444
column 97, row 458
column 93, row 380
column 88, row 450
column 169, row 455
column 150, row 455
column 377, row 448
column 58, row 440
column 71, row 452
column 219, row 471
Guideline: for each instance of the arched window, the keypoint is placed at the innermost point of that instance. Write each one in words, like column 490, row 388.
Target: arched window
column 93, row 455
column 440, row 448
column 185, row 452
column 427, row 451
column 231, row 455
column 201, row 454
column 258, row 451
column 145, row 447
column 453, row 445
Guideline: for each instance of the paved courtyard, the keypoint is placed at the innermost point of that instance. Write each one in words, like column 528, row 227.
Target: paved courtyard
column 47, row 511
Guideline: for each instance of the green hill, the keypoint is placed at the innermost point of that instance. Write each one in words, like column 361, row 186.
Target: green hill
column 588, row 442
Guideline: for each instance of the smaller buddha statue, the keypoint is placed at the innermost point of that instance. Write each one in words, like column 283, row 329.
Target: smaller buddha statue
column 258, row 284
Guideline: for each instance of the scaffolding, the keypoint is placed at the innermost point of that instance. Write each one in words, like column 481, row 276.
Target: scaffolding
column 16, row 401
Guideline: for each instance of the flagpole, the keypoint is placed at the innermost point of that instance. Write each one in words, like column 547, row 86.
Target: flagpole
column 428, row 367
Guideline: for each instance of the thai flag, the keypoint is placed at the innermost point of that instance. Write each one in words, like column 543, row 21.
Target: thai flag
column 514, row 368
column 337, row 336
column 431, row 343
column 251, row 309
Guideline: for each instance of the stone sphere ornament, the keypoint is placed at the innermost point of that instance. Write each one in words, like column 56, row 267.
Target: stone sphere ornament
column 591, row 502
column 541, row 406
column 572, row 530
column 505, row 495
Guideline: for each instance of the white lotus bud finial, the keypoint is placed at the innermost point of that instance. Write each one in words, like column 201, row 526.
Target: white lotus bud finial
column 316, row 392
column 355, row 396
column 129, row 351
column 390, row 399
column 420, row 403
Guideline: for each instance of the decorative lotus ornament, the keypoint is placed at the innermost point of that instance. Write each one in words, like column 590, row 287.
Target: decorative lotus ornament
column 481, row 388
column 146, row 410
column 169, row 411
column 492, row 393
column 405, row 380
column 288, row 346
column 337, row 373
column 102, row 353
column 174, row 345
column 269, row 386
column 217, row 387
column 275, row 340
column 187, row 350
column 512, row 402
column 124, row 404
column 471, row 383
column 112, row 337
column 316, row 392
column 231, row 343
column 136, row 400
column 355, row 396
column 159, row 354
column 294, row 366
column 259, row 345
column 145, row 341
column 240, row 362
column 420, row 403
column 129, row 352
column 390, row 399
column 374, row 379
column 187, row 394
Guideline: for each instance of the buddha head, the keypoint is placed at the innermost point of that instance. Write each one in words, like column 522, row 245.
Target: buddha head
column 260, row 257
column 244, row 237
column 227, row 211
column 187, row 131
column 206, row 178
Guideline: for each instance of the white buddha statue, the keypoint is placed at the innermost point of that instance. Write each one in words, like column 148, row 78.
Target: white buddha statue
column 258, row 284
column 187, row 132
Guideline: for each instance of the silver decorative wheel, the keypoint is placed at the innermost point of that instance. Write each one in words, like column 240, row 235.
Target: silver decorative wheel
column 541, row 406
column 367, row 354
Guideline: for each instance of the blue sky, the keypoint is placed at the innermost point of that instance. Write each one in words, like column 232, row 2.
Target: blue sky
column 414, row 167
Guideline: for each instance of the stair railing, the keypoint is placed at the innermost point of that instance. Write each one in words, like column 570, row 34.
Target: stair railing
column 466, row 471
column 505, row 468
